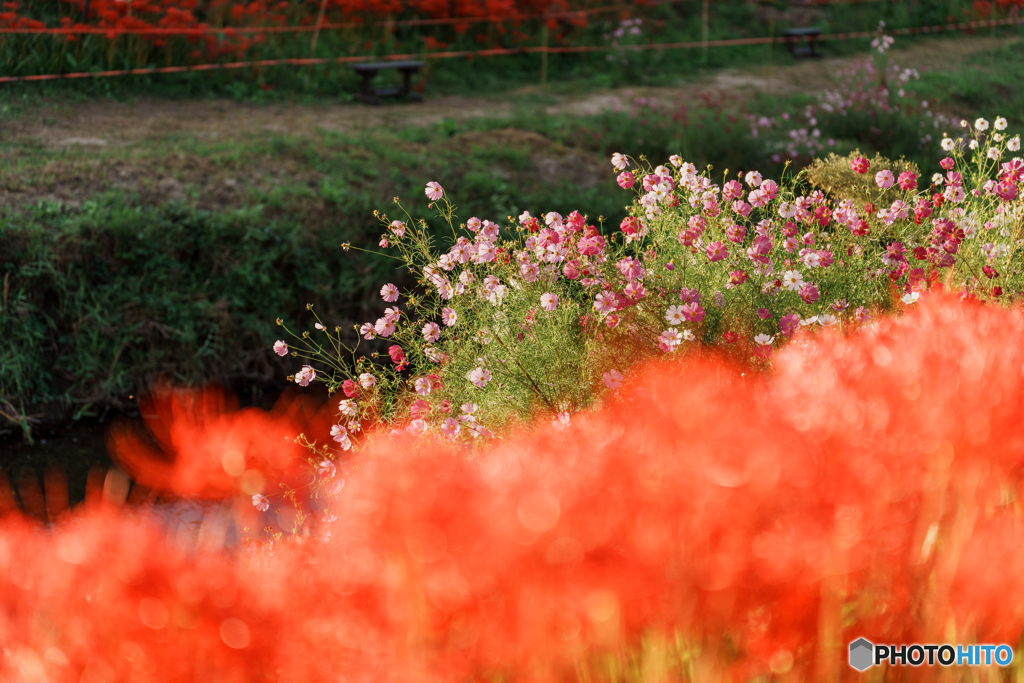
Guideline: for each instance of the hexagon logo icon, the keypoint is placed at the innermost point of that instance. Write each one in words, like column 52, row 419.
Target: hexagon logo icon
column 861, row 654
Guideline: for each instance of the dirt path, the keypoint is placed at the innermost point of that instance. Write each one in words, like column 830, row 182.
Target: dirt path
column 99, row 124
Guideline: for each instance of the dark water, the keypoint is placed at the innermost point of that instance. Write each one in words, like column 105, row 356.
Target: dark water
column 72, row 450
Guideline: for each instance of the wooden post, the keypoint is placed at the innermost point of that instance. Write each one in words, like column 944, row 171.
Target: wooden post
column 704, row 27
column 316, row 35
column 544, row 56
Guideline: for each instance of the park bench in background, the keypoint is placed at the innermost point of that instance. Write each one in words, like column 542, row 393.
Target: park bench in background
column 793, row 35
column 370, row 95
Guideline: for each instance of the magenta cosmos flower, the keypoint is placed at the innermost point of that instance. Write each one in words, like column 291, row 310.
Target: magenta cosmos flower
column 716, row 251
column 434, row 191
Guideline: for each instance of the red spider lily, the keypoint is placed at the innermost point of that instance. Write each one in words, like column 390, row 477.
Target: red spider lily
column 747, row 526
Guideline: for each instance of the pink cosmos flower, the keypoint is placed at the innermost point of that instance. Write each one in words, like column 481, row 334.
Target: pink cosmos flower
column 431, row 332
column 419, row 409
column 613, row 379
column 327, row 468
column 625, row 180
column 612, row 321
column 689, row 296
column 736, row 233
column 368, row 331
column 417, row 428
column 809, row 293
column 693, row 312
column 280, row 348
column 397, row 354
column 304, row 376
column 789, row 324
column 261, row 502
column 947, row 163
column 907, row 181
column 737, row 277
column 635, row 291
column 423, row 386
column 753, row 179
column 591, row 245
column 366, row 380
column 619, row 161
column 434, row 191
column 384, row 327
column 549, row 301
column 669, row 340
column 351, row 389
column 605, row 302
column 448, row 316
column 479, row 376
column 716, row 251
column 1006, row 190
column 451, row 428
column 398, row 227
column 389, row 293
column 764, row 313
column 383, row 244
column 769, row 190
column 884, row 179
column 860, row 165
column 732, row 190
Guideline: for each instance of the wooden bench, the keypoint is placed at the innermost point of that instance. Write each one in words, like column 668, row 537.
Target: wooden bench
column 370, row 95
column 793, row 35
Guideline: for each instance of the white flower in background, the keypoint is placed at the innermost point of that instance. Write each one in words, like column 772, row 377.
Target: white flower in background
column 910, row 297
column 1000, row 123
column 348, row 408
column 981, row 124
column 261, row 502
column 764, row 340
column 304, row 376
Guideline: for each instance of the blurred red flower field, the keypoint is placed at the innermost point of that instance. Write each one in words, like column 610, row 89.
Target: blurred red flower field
column 704, row 524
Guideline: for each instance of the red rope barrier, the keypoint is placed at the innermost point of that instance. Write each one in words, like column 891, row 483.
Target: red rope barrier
column 496, row 52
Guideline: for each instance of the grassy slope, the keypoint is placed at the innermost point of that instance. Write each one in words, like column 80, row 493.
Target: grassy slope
column 136, row 279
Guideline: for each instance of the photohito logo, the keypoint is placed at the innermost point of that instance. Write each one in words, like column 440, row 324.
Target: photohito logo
column 864, row 654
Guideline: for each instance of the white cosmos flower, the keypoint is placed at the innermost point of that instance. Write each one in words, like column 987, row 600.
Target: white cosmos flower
column 937, row 179
column 973, row 144
column 1013, row 144
column 948, row 144
column 827, row 320
column 910, row 297
column 793, row 280
column 1000, row 123
column 674, row 315
column 981, row 124
column 764, row 340
column 993, row 153
column 689, row 336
